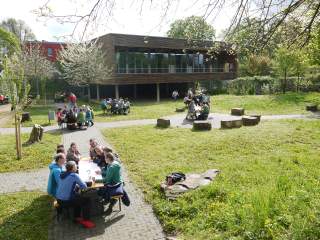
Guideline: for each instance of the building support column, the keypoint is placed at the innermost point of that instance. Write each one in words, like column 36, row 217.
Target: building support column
column 116, row 88
column 135, row 91
column 158, row 92
column 98, row 92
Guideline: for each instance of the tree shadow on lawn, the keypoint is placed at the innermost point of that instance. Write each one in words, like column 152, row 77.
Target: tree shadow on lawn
column 290, row 98
column 30, row 223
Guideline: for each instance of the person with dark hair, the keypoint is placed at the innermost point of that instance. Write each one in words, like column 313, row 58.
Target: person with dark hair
column 93, row 143
column 73, row 153
column 55, row 171
column 100, row 157
column 113, row 183
column 67, row 195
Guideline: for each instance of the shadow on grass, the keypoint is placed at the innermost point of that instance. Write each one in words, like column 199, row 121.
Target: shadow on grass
column 30, row 223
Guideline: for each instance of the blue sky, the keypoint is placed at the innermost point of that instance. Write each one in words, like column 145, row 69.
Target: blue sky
column 126, row 17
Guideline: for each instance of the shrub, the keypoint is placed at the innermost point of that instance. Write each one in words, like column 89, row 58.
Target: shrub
column 251, row 85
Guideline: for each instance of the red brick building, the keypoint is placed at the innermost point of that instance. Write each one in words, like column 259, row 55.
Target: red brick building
column 50, row 49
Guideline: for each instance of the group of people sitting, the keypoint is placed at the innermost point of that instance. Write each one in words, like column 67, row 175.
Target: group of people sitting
column 198, row 105
column 66, row 186
column 115, row 106
column 82, row 116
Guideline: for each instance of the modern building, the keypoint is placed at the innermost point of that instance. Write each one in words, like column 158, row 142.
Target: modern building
column 155, row 66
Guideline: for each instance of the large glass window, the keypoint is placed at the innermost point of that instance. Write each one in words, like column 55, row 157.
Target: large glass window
column 121, row 62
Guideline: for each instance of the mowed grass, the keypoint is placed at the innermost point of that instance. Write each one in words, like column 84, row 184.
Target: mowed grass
column 289, row 103
column 25, row 216
column 268, row 188
column 34, row 156
column 39, row 115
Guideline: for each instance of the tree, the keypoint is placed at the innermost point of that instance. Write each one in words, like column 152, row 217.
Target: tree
column 8, row 41
column 191, row 28
column 271, row 13
column 19, row 28
column 300, row 64
column 285, row 61
column 83, row 64
column 37, row 67
column 313, row 49
column 257, row 65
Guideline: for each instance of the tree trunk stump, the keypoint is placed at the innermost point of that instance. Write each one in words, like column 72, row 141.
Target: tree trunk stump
column 237, row 111
column 36, row 134
column 312, row 107
column 163, row 123
column 249, row 121
column 202, row 125
column 25, row 117
column 231, row 123
column 257, row 116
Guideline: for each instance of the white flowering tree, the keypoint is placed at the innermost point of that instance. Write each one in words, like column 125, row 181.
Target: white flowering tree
column 83, row 64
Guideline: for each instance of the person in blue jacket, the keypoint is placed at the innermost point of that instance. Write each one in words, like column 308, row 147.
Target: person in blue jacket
column 67, row 195
column 55, row 170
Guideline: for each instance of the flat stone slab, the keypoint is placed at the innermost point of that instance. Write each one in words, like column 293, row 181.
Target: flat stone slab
column 163, row 122
column 312, row 107
column 237, row 111
column 249, row 121
column 236, row 123
column 202, row 125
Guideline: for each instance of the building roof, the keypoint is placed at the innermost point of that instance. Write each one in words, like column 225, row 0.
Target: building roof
column 126, row 40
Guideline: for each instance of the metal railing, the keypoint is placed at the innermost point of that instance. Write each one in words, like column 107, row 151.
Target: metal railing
column 171, row 70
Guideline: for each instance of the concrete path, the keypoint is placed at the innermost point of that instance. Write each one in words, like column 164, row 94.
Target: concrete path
column 134, row 222
column 24, row 181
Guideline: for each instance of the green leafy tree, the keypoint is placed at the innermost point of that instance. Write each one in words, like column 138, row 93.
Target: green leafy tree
column 256, row 65
column 285, row 62
column 313, row 49
column 19, row 28
column 191, row 28
column 8, row 42
column 300, row 64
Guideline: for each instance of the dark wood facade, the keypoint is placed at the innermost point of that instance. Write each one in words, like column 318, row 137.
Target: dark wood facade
column 112, row 43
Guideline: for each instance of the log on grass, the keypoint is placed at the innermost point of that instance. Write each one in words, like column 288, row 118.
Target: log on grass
column 25, row 117
column 312, row 107
column 249, row 121
column 202, row 125
column 257, row 116
column 163, row 122
column 237, row 111
column 36, row 134
column 231, row 123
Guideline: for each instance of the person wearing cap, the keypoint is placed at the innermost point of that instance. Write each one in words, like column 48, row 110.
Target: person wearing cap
column 55, row 170
column 68, row 197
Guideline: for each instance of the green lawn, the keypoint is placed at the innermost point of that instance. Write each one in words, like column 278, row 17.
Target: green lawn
column 25, row 216
column 290, row 103
column 33, row 156
column 39, row 115
column 269, row 186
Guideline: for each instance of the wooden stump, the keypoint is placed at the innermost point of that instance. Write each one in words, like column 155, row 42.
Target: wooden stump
column 231, row 123
column 257, row 116
column 36, row 134
column 202, row 125
column 25, row 117
column 163, row 123
column 312, row 107
column 180, row 109
column 249, row 121
column 237, row 111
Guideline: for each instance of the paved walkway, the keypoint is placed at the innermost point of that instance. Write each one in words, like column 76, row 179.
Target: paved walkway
column 134, row 222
